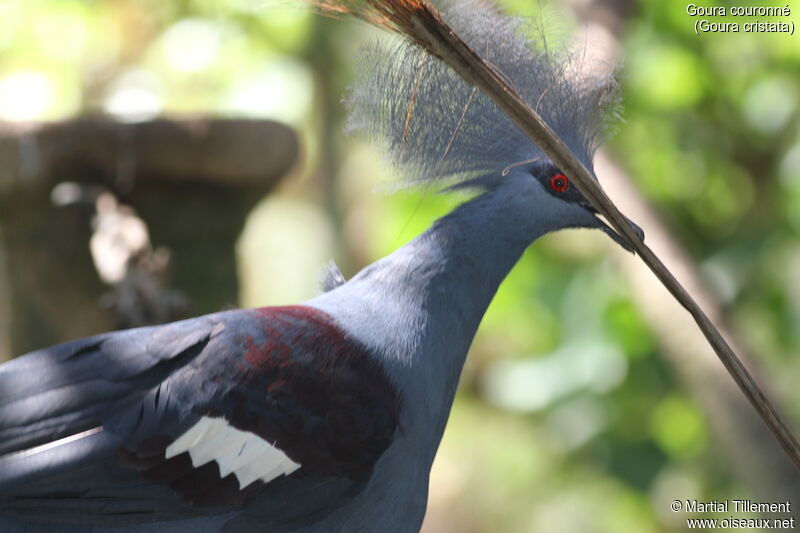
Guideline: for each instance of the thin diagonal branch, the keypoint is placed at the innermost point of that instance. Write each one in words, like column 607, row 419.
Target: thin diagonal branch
column 421, row 23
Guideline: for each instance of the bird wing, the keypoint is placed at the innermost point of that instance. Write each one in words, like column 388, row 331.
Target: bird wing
column 274, row 406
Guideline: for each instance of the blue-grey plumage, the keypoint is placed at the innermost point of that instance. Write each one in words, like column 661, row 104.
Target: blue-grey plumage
column 323, row 417
column 414, row 312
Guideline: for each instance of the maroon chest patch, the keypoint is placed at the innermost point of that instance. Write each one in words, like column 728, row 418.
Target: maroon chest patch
column 293, row 329
column 315, row 392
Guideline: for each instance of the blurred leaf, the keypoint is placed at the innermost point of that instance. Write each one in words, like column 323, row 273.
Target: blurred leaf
column 678, row 428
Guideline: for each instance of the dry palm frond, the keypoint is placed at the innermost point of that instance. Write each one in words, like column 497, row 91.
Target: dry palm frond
column 422, row 25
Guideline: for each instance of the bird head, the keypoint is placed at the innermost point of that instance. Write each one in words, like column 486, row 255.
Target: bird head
column 435, row 128
column 547, row 191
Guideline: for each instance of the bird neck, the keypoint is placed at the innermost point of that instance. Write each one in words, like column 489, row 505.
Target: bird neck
column 461, row 261
column 438, row 288
column 418, row 309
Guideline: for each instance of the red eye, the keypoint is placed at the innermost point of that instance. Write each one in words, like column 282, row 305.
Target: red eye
column 559, row 183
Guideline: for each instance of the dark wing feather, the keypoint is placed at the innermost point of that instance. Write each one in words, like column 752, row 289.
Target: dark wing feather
column 289, row 376
column 286, row 375
column 56, row 404
column 70, row 388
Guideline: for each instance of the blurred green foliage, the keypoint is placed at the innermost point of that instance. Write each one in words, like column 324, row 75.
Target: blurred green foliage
column 569, row 418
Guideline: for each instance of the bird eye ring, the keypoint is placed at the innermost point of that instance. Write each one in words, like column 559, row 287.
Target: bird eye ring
column 559, row 183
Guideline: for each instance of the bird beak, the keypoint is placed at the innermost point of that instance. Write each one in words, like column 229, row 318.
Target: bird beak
column 613, row 234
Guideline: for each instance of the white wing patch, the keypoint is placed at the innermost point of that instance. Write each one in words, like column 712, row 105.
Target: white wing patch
column 245, row 454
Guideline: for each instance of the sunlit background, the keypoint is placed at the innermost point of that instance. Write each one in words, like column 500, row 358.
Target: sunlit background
column 588, row 404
